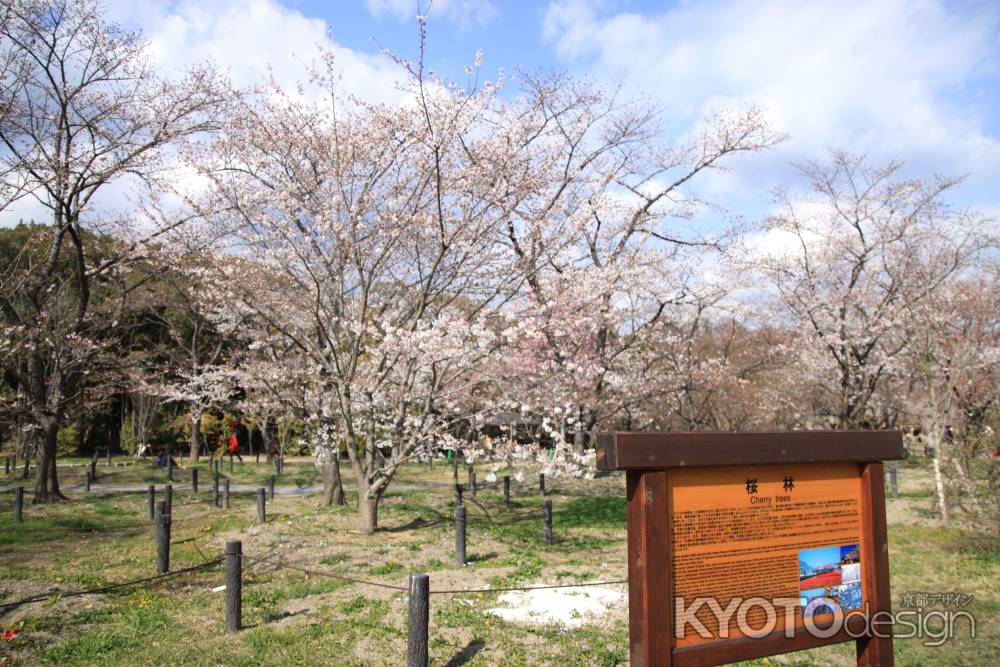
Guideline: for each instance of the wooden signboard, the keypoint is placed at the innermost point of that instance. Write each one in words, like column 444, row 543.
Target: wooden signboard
column 744, row 545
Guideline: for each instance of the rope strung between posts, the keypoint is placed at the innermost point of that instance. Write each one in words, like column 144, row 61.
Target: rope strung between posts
column 103, row 529
column 110, row 587
column 504, row 589
column 448, row 591
column 305, row 570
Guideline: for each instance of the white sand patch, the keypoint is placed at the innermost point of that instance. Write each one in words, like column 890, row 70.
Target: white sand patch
column 569, row 607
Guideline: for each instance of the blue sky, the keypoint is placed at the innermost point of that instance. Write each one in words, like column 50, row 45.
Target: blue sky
column 914, row 80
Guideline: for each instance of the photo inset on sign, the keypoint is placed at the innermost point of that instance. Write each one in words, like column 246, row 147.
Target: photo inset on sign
column 819, row 568
column 850, row 596
column 850, row 564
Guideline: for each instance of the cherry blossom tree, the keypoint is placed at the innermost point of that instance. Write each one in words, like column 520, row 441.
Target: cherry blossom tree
column 607, row 228
column 83, row 108
column 852, row 264
column 955, row 357
column 373, row 251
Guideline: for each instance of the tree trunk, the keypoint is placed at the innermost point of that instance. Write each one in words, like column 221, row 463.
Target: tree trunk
column 195, row 437
column 333, row 486
column 935, row 442
column 47, row 486
column 368, row 513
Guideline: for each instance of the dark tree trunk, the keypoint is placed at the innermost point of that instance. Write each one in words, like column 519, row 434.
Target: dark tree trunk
column 368, row 513
column 333, row 484
column 47, row 486
column 195, row 437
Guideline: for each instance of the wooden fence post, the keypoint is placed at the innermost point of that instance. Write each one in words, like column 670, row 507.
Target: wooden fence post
column 86, row 484
column 548, row 521
column 234, row 586
column 417, row 619
column 18, row 504
column 27, row 468
column 230, row 463
column 261, row 517
column 472, row 480
column 225, row 493
column 168, row 497
column 460, row 534
column 541, row 483
column 506, row 491
column 6, row 465
column 109, row 456
column 170, row 466
column 894, row 478
column 458, row 494
column 151, row 501
column 270, row 487
column 215, row 490
column 194, row 480
column 162, row 537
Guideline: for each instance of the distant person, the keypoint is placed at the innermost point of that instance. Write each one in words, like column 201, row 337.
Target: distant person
column 164, row 459
column 234, row 438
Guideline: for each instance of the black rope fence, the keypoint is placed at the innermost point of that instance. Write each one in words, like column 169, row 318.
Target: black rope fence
column 418, row 590
column 110, row 587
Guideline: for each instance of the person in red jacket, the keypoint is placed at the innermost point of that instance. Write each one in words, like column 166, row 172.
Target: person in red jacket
column 234, row 442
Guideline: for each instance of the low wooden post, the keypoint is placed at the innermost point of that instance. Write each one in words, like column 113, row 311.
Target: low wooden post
column 168, row 497
column 454, row 466
column 472, row 480
column 215, row 490
column 6, row 465
column 170, row 467
column 230, row 463
column 151, row 501
column 86, row 484
column 270, row 487
column 93, row 469
column 460, row 534
column 548, row 521
column 258, row 458
column 894, row 478
column 506, row 491
column 418, row 616
column 541, row 483
column 27, row 468
column 281, row 464
column 109, row 456
column 18, row 504
column 194, row 480
column 458, row 494
column 234, row 586
column 225, row 493
column 162, row 537
column 261, row 517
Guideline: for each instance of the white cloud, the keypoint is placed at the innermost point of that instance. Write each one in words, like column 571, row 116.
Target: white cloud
column 463, row 13
column 888, row 78
column 244, row 38
column 247, row 37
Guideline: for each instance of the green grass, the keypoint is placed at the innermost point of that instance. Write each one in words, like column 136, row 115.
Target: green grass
column 295, row 618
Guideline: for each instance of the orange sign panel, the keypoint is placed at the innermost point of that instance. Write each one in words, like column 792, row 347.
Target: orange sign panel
column 761, row 547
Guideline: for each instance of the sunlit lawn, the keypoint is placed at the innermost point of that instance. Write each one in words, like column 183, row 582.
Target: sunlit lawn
column 295, row 618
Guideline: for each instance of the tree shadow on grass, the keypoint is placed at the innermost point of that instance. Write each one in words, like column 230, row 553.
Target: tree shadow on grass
column 466, row 654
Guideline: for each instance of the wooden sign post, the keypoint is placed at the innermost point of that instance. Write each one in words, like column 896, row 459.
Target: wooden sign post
column 745, row 545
